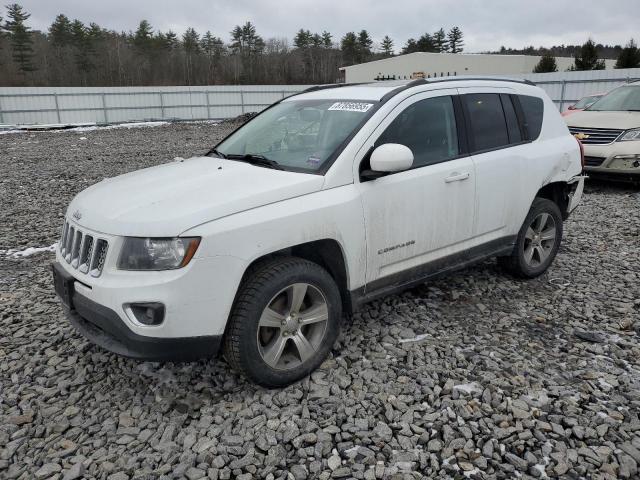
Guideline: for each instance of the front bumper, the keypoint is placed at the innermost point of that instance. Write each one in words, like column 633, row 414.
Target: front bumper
column 617, row 161
column 104, row 327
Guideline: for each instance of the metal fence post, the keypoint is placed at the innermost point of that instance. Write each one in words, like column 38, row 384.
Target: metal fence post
column 241, row 101
column 1, row 114
column 161, row 106
column 208, row 105
column 564, row 85
column 55, row 97
column 104, row 108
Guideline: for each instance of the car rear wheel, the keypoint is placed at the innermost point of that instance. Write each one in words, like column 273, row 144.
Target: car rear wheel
column 284, row 323
column 538, row 241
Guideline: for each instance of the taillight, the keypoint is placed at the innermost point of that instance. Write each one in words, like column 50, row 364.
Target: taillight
column 581, row 151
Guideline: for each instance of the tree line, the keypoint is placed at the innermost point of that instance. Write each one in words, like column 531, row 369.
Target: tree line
column 72, row 53
column 588, row 56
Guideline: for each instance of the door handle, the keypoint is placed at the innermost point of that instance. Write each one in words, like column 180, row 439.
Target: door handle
column 456, row 177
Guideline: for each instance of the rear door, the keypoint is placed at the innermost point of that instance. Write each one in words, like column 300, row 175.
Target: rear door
column 496, row 141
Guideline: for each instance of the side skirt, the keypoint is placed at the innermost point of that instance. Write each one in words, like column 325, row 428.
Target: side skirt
column 415, row 276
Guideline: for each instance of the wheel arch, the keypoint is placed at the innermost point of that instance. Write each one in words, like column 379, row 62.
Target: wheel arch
column 328, row 253
column 558, row 193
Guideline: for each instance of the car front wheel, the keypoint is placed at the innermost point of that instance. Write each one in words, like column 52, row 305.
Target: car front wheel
column 284, row 322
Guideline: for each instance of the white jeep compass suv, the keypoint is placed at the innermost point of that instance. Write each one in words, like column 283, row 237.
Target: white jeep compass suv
column 324, row 201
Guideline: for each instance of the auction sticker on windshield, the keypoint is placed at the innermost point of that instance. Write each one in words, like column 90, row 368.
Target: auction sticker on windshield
column 351, row 106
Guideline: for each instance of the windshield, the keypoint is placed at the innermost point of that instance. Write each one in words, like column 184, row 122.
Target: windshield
column 300, row 135
column 625, row 98
column 586, row 101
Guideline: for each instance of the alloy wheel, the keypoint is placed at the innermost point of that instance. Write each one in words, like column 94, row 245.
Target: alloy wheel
column 539, row 240
column 292, row 326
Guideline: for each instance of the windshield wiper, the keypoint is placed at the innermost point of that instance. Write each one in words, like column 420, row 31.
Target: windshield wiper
column 254, row 159
column 215, row 152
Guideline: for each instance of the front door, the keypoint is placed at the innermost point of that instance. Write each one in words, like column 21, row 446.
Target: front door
column 425, row 213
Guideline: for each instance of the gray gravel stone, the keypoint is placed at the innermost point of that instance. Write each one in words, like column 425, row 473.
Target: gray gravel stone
column 492, row 373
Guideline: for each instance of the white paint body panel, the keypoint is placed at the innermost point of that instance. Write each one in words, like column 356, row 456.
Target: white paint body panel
column 243, row 212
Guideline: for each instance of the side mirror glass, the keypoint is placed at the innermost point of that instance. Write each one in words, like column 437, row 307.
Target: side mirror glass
column 391, row 157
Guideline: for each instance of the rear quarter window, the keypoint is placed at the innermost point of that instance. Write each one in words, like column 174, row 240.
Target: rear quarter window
column 533, row 111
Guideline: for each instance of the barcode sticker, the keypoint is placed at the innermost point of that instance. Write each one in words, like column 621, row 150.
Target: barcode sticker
column 351, row 106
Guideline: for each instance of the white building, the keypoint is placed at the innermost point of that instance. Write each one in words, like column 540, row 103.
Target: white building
column 430, row 65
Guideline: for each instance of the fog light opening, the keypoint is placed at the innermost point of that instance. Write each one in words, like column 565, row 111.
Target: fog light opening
column 151, row 313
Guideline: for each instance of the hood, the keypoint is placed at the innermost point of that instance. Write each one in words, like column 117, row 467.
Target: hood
column 166, row 200
column 593, row 119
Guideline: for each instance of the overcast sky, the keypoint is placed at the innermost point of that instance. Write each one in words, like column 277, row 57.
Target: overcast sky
column 487, row 24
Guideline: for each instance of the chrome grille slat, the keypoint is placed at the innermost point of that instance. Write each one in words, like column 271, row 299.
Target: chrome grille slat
column 597, row 136
column 82, row 250
column 86, row 254
column 71, row 237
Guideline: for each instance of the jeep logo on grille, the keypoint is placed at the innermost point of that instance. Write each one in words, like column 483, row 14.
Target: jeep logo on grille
column 77, row 215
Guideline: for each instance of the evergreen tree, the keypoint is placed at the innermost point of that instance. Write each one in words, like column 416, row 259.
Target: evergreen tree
column 143, row 38
column 629, row 56
column 587, row 57
column 440, row 41
column 245, row 40
column 327, row 39
column 546, row 64
column 191, row 41
column 83, row 48
column 349, row 46
column 410, row 47
column 455, row 40
column 211, row 46
column 60, row 31
column 170, row 40
column 425, row 44
column 20, row 38
column 364, row 46
column 302, row 39
column 387, row 46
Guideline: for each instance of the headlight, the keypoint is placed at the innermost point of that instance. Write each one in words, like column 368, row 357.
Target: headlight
column 630, row 135
column 157, row 253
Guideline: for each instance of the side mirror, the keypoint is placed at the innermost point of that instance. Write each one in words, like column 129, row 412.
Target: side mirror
column 391, row 157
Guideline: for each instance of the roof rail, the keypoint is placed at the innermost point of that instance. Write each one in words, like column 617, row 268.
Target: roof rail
column 425, row 81
column 326, row 86
column 462, row 78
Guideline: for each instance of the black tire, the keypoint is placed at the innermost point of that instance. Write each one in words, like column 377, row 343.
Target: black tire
column 517, row 263
column 242, row 343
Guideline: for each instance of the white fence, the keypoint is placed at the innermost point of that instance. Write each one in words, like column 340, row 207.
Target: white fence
column 73, row 105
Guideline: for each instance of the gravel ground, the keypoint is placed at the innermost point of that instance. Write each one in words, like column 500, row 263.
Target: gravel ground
column 476, row 375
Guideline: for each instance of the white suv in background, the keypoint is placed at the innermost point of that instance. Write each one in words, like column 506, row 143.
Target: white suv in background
column 322, row 202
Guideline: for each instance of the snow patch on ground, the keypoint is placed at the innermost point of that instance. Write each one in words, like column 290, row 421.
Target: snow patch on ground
column 27, row 252
column 91, row 128
column 468, row 388
column 417, row 338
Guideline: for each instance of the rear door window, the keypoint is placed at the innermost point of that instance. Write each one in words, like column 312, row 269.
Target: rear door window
column 513, row 125
column 533, row 110
column 487, row 124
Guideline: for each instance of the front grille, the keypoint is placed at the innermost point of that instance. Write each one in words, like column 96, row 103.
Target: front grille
column 596, row 136
column 593, row 161
column 82, row 250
